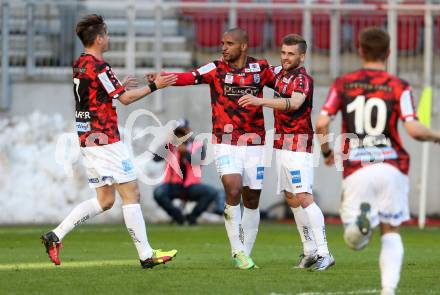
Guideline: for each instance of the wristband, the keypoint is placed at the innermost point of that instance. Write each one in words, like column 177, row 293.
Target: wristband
column 287, row 104
column 152, row 86
column 327, row 154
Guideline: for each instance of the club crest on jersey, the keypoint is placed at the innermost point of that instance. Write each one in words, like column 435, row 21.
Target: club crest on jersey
column 257, row 78
column 254, row 67
column 229, row 79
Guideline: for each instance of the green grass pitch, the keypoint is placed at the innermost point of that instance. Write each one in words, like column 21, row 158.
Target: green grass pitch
column 100, row 259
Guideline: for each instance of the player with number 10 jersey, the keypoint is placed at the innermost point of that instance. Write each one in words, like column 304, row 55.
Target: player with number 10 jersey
column 371, row 102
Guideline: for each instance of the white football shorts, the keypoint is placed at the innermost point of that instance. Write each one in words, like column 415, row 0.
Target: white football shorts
column 248, row 161
column 108, row 164
column 381, row 185
column 295, row 171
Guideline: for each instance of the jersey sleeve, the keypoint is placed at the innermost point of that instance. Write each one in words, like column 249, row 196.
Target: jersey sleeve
column 407, row 111
column 108, row 80
column 202, row 75
column 333, row 102
column 302, row 84
column 269, row 76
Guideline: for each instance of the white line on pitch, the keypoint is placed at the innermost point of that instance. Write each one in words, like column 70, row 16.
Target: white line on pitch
column 68, row 264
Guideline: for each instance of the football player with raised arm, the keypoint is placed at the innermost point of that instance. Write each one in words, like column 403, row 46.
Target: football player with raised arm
column 238, row 135
column 292, row 106
column 108, row 163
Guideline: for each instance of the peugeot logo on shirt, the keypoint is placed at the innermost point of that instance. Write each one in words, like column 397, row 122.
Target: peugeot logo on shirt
column 237, row 91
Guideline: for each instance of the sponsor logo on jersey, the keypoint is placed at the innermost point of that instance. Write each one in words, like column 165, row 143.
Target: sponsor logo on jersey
column 296, row 176
column 229, row 79
column 83, row 126
column 254, row 67
column 105, row 80
column 82, row 115
column 206, row 68
column 93, row 180
column 257, row 78
column 371, row 141
column 369, row 154
column 238, row 91
column 260, row 173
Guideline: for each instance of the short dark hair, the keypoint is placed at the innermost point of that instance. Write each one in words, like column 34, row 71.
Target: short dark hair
column 89, row 27
column 375, row 44
column 241, row 34
column 295, row 39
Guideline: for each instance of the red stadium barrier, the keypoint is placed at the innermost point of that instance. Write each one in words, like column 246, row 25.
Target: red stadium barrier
column 361, row 20
column 437, row 32
column 285, row 22
column 209, row 25
column 409, row 32
column 253, row 21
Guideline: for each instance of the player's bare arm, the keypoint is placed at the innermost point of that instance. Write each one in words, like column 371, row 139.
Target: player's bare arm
column 160, row 82
column 322, row 130
column 284, row 104
column 130, row 82
column 419, row 132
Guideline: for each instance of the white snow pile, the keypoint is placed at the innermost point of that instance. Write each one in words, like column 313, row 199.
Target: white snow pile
column 33, row 187
column 42, row 177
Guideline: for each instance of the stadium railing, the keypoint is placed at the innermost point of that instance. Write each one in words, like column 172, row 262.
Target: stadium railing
column 38, row 40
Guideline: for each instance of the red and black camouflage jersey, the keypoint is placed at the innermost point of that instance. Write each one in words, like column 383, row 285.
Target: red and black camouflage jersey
column 371, row 102
column 94, row 87
column 231, row 123
column 293, row 129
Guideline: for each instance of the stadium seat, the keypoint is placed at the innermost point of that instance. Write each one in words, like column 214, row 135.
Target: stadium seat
column 321, row 28
column 209, row 24
column 410, row 29
column 253, row 21
column 285, row 22
column 360, row 20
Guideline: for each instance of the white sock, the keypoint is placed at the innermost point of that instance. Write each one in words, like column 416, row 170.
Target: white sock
column 80, row 214
column 390, row 260
column 135, row 223
column 232, row 223
column 305, row 230
column 249, row 223
column 316, row 219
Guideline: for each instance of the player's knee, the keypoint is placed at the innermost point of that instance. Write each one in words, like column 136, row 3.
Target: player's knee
column 233, row 192
column 107, row 203
column 305, row 199
column 251, row 203
column 292, row 200
column 354, row 238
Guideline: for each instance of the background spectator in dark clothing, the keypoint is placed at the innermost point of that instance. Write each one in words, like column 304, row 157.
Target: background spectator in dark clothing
column 187, row 186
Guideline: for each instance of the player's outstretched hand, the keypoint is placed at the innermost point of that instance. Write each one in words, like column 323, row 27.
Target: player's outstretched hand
column 130, row 82
column 164, row 80
column 249, row 99
column 150, row 77
column 330, row 160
